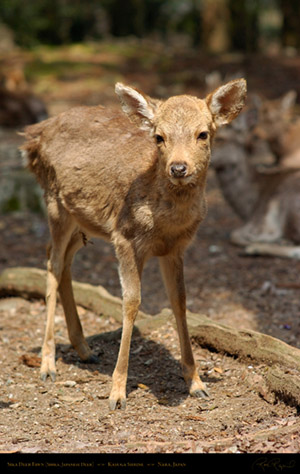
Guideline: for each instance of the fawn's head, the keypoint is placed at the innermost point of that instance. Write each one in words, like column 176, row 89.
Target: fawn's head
column 184, row 126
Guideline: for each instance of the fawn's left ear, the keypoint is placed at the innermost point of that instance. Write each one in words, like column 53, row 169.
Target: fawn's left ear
column 139, row 107
column 226, row 102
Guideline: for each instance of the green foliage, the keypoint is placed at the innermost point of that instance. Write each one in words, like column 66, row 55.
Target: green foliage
column 57, row 22
column 49, row 21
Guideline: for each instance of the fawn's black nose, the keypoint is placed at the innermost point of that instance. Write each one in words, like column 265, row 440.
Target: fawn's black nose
column 178, row 170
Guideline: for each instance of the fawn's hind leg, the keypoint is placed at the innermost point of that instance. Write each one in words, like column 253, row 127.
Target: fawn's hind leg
column 61, row 228
column 67, row 298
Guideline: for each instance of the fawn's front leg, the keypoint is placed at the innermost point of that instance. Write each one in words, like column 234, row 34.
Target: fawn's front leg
column 130, row 277
column 172, row 272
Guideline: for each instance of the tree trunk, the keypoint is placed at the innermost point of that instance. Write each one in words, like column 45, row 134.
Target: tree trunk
column 290, row 31
column 244, row 29
column 215, row 18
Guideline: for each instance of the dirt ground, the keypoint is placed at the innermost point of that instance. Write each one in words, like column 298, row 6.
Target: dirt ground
column 72, row 414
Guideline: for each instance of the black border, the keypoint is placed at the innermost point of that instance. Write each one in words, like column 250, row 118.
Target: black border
column 150, row 463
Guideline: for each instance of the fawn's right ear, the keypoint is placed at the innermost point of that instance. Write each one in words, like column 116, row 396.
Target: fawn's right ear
column 139, row 107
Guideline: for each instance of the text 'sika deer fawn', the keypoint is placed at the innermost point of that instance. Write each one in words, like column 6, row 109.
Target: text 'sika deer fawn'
column 140, row 184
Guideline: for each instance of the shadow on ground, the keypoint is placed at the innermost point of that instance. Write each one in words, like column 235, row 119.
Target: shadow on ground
column 151, row 365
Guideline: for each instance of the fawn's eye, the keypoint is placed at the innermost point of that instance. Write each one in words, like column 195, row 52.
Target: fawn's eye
column 159, row 139
column 202, row 136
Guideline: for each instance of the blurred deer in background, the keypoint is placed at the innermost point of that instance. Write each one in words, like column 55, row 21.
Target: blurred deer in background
column 18, row 105
column 279, row 126
column 138, row 183
column 266, row 197
column 20, row 108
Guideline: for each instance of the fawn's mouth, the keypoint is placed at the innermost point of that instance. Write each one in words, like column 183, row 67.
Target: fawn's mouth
column 182, row 181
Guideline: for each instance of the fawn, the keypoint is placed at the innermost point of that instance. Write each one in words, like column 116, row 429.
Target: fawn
column 137, row 180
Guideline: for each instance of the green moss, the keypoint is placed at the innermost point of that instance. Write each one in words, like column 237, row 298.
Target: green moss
column 11, row 205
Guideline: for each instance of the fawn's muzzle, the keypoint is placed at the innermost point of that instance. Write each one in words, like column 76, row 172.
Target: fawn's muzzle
column 178, row 170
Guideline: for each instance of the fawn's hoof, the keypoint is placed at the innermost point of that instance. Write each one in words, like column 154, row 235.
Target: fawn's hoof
column 92, row 359
column 114, row 404
column 200, row 393
column 51, row 374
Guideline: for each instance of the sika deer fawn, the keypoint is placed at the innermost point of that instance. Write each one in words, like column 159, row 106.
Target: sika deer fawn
column 140, row 184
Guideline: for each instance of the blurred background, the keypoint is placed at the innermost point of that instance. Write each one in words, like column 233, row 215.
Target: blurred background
column 215, row 26
column 55, row 54
column 74, row 50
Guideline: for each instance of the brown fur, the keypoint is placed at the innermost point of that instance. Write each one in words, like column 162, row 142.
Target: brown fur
column 105, row 177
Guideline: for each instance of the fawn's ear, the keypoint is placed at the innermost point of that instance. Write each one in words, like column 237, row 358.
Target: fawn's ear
column 139, row 107
column 226, row 102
